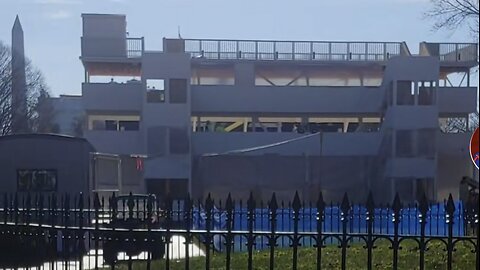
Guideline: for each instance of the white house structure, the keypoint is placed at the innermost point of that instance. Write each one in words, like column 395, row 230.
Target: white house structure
column 219, row 116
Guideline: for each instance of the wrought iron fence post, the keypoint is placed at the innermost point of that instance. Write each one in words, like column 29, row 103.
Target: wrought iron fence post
column 320, row 218
column 65, row 233
column 80, row 236
column 168, row 227
column 229, row 207
column 28, row 208
column 53, row 209
column 188, row 224
column 423, row 210
column 113, row 209
column 149, row 219
column 40, row 206
column 208, row 224
column 449, row 219
column 396, row 216
column 370, row 216
column 15, row 208
column 250, row 236
column 345, row 209
column 272, row 241
column 96, row 206
column 5, row 208
column 296, row 206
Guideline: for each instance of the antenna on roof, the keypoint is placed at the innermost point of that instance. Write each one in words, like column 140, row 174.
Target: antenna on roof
column 179, row 35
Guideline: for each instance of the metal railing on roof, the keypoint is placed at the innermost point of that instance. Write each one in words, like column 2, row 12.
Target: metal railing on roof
column 135, row 47
column 451, row 52
column 294, row 50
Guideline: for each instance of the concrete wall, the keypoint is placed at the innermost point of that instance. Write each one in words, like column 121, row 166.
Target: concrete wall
column 104, row 35
column 286, row 99
column 164, row 114
column 67, row 155
column 244, row 74
column 411, row 167
column 454, row 144
column 334, row 144
column 112, row 96
column 158, row 65
column 412, row 68
column 170, row 167
column 457, row 100
column 284, row 175
column 104, row 25
column 103, row 47
column 164, row 118
column 116, row 142
column 411, row 117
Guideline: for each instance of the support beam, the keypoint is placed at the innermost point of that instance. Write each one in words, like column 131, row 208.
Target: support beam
column 295, row 79
column 266, row 79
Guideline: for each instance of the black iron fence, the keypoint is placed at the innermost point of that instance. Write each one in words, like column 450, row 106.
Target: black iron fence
column 79, row 232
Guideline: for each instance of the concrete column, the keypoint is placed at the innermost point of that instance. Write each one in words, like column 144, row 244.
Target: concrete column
column 254, row 123
column 394, row 93
column 416, row 92
column 244, row 74
column 468, row 78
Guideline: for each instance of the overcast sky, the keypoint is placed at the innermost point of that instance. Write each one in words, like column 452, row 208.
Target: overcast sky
column 53, row 27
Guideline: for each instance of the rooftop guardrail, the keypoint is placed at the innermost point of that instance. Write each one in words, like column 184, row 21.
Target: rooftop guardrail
column 451, row 52
column 294, row 50
column 106, row 47
column 135, row 47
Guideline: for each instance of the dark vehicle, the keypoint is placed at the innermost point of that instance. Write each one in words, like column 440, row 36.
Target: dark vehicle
column 132, row 211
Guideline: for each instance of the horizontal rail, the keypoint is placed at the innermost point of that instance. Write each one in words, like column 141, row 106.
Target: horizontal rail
column 12, row 226
column 135, row 47
column 451, row 52
column 293, row 50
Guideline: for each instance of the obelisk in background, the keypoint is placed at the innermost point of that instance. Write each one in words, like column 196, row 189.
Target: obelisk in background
column 19, row 84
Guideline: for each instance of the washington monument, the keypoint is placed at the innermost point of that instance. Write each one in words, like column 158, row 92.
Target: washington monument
column 19, row 85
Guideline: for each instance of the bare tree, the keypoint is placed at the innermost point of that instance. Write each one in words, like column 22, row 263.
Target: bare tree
column 78, row 125
column 37, row 95
column 452, row 14
column 460, row 125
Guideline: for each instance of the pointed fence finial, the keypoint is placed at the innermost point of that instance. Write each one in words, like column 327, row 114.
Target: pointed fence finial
column 229, row 203
column 320, row 202
column 397, row 208
column 370, row 204
column 296, row 204
column 397, row 204
column 450, row 209
column 423, row 208
column 80, row 201
column 208, row 203
column 273, row 204
column 345, row 206
column 130, row 205
column 251, row 202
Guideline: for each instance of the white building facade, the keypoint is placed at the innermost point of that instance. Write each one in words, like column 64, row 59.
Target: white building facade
column 219, row 116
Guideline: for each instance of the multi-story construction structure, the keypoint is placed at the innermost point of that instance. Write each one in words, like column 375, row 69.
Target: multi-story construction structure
column 225, row 116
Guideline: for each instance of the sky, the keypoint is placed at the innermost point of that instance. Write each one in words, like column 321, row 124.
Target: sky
column 53, row 28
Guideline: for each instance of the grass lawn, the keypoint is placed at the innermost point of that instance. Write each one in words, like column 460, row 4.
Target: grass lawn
column 435, row 258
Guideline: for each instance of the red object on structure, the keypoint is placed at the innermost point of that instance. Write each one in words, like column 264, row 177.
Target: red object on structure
column 139, row 164
column 474, row 147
